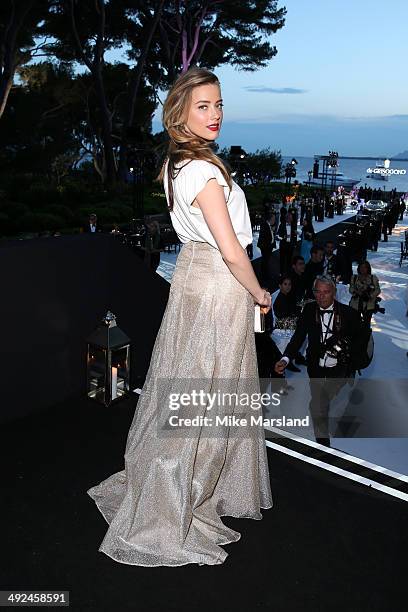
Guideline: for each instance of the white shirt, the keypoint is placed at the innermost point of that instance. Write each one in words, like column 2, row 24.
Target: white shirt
column 270, row 227
column 326, row 262
column 326, row 322
column 187, row 220
column 92, row 228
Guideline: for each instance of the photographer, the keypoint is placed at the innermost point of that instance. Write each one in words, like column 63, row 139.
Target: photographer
column 335, row 347
column 365, row 289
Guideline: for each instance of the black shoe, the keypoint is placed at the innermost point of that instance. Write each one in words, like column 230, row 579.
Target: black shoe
column 292, row 368
column 300, row 360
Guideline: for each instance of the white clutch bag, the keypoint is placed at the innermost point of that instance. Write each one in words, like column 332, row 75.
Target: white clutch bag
column 259, row 320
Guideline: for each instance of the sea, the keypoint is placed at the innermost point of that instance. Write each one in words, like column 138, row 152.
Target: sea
column 356, row 169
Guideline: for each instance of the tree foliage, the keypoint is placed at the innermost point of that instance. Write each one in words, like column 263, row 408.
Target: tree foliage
column 257, row 169
column 19, row 27
column 79, row 102
column 216, row 32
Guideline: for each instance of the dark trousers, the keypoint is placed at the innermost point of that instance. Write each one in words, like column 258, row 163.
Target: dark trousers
column 325, row 384
column 266, row 266
column 373, row 243
column 267, row 354
column 366, row 316
column 152, row 260
column 285, row 255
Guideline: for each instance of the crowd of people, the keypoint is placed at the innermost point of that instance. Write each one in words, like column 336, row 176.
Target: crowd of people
column 320, row 298
column 150, row 245
column 289, row 223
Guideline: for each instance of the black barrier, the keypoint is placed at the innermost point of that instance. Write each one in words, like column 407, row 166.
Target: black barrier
column 54, row 292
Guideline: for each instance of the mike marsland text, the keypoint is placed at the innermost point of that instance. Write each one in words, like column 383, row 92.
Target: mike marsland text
column 234, row 421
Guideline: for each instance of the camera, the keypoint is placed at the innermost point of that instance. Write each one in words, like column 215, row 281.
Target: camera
column 366, row 295
column 338, row 348
column 377, row 307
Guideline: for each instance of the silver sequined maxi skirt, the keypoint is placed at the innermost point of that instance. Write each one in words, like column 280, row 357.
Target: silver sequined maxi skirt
column 165, row 507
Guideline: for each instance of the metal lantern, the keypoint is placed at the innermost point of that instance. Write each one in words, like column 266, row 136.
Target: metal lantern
column 108, row 362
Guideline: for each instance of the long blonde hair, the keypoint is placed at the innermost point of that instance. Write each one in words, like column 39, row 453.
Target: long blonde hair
column 183, row 144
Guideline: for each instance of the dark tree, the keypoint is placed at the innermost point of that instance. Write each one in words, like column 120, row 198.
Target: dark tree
column 19, row 26
column 215, row 32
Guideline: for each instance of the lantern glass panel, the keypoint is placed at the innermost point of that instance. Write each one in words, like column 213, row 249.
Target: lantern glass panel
column 96, row 373
column 119, row 372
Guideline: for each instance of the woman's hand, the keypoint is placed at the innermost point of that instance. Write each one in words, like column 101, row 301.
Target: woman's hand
column 265, row 301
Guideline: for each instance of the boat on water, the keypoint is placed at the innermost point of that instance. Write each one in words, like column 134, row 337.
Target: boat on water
column 335, row 179
column 379, row 173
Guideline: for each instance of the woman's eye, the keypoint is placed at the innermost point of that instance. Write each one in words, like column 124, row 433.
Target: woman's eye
column 204, row 106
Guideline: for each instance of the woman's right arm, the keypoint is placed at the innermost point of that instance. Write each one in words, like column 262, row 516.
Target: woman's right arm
column 211, row 201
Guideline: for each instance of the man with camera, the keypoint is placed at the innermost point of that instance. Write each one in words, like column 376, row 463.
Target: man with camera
column 365, row 290
column 335, row 347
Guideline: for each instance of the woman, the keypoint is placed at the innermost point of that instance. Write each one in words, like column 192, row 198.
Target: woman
column 286, row 313
column 365, row 289
column 165, row 507
column 307, row 237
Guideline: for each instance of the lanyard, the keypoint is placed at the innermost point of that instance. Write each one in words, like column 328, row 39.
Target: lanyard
column 323, row 335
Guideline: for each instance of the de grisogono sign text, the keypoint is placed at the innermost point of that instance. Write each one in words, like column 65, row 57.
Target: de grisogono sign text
column 386, row 171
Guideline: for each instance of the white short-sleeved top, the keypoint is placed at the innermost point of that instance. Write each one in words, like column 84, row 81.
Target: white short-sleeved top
column 188, row 221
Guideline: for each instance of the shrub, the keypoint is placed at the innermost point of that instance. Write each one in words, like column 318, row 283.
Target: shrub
column 61, row 211
column 40, row 195
column 4, row 224
column 39, row 222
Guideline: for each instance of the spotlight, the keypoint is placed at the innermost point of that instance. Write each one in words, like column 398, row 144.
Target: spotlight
column 333, row 161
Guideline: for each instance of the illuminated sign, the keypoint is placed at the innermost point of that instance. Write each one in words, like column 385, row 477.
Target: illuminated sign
column 386, row 171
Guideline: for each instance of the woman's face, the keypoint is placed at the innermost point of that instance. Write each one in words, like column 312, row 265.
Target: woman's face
column 205, row 112
column 286, row 286
column 364, row 269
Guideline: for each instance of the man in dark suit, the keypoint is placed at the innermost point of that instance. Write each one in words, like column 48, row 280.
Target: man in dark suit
column 344, row 264
column 326, row 323
column 266, row 243
column 313, row 268
column 330, row 266
column 92, row 226
column 297, row 276
column 288, row 238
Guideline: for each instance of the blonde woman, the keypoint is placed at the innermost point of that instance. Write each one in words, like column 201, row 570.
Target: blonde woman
column 165, row 508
